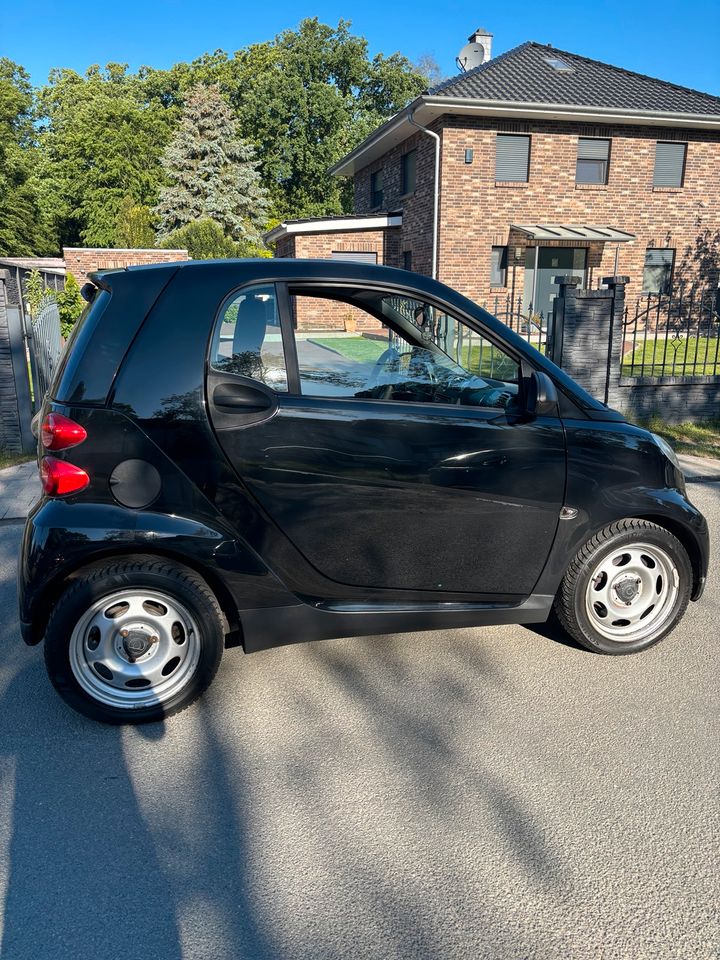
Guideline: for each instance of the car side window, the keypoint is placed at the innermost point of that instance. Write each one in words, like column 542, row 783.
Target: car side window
column 247, row 339
column 371, row 345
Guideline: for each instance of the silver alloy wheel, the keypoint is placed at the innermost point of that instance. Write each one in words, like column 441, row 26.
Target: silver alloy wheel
column 134, row 648
column 632, row 592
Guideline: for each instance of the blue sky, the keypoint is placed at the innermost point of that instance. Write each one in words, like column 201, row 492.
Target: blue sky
column 675, row 41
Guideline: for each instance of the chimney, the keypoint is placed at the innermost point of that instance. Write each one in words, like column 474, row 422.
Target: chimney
column 484, row 39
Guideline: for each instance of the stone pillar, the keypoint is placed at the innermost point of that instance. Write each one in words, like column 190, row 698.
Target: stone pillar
column 615, row 336
column 567, row 285
column 586, row 340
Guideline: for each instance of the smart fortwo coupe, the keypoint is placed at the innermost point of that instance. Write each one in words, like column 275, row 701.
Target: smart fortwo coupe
column 264, row 452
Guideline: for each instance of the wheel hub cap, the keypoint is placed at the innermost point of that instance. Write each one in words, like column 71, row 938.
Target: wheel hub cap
column 632, row 592
column 136, row 643
column 627, row 589
column 135, row 648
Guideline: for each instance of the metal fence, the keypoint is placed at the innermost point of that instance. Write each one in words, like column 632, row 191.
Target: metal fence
column 525, row 321
column 44, row 342
column 467, row 347
column 675, row 335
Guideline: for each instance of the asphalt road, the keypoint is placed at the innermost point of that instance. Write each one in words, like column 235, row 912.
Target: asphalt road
column 483, row 793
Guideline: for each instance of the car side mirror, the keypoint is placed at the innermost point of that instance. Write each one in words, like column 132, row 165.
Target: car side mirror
column 542, row 398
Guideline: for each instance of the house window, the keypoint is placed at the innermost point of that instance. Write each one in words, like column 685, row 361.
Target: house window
column 376, row 189
column 409, row 168
column 498, row 267
column 669, row 164
column 407, row 259
column 593, row 160
column 657, row 275
column 512, row 157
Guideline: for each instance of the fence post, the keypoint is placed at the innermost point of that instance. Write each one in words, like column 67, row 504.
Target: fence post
column 15, row 434
column 556, row 334
column 616, row 285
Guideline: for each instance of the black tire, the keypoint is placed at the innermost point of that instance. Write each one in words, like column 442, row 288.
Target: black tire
column 101, row 580
column 570, row 602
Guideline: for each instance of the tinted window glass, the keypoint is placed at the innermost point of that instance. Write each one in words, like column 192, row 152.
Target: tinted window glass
column 498, row 267
column 247, row 340
column 657, row 274
column 592, row 160
column 371, row 346
column 409, row 168
column 376, row 189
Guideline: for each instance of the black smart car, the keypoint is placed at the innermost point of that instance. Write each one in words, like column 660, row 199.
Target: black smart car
column 264, row 452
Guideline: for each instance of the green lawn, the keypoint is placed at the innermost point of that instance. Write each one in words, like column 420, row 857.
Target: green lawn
column 13, row 459
column 697, row 439
column 701, row 352
column 492, row 363
column 361, row 349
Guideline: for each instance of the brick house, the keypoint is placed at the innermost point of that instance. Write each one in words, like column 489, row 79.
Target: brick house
column 80, row 261
column 549, row 163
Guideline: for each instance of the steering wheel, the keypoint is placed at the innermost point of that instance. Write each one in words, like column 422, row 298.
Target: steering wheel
column 388, row 357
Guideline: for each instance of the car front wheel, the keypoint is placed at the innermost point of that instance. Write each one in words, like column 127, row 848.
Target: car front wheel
column 626, row 589
column 134, row 640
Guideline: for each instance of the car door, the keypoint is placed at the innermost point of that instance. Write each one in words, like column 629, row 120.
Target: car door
column 387, row 440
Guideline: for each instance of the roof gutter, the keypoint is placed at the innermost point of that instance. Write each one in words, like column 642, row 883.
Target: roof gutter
column 436, row 187
column 572, row 112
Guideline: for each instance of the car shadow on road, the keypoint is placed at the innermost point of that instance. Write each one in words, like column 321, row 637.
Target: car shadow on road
column 84, row 879
column 551, row 630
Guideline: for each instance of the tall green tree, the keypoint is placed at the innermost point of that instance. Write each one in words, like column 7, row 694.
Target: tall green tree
column 316, row 97
column 303, row 100
column 134, row 226
column 102, row 140
column 23, row 230
column 211, row 172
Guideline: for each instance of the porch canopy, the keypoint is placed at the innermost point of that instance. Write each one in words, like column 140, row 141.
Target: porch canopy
column 572, row 231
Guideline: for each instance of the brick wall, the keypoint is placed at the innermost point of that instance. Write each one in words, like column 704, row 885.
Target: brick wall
column 415, row 235
column 328, row 315
column 80, row 261
column 476, row 212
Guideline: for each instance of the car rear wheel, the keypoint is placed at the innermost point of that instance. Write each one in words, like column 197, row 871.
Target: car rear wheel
column 626, row 589
column 133, row 641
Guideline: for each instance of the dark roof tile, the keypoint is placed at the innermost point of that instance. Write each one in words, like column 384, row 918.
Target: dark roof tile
column 524, row 75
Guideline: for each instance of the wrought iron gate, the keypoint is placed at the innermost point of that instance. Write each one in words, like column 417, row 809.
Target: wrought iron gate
column 42, row 332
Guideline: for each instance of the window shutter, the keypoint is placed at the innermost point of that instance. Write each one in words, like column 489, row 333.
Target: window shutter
column 512, row 156
column 592, row 149
column 356, row 256
column 658, row 258
column 669, row 164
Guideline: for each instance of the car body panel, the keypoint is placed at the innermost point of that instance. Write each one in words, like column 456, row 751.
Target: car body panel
column 438, row 499
column 254, row 527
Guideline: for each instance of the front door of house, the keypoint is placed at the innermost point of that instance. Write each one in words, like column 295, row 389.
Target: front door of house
column 540, row 290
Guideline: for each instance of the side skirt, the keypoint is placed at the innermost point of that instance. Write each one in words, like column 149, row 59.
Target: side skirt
column 276, row 626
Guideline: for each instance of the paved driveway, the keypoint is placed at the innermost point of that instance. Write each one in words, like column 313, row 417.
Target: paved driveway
column 482, row 793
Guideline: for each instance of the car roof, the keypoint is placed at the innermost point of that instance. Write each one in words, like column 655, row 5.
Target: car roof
column 277, row 267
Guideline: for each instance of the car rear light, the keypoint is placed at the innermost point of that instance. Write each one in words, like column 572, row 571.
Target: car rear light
column 61, row 433
column 58, row 477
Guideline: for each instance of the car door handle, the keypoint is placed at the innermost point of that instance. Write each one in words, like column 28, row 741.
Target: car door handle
column 241, row 397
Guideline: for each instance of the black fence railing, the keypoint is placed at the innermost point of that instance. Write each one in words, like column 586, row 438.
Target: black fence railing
column 465, row 345
column 525, row 321
column 675, row 335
